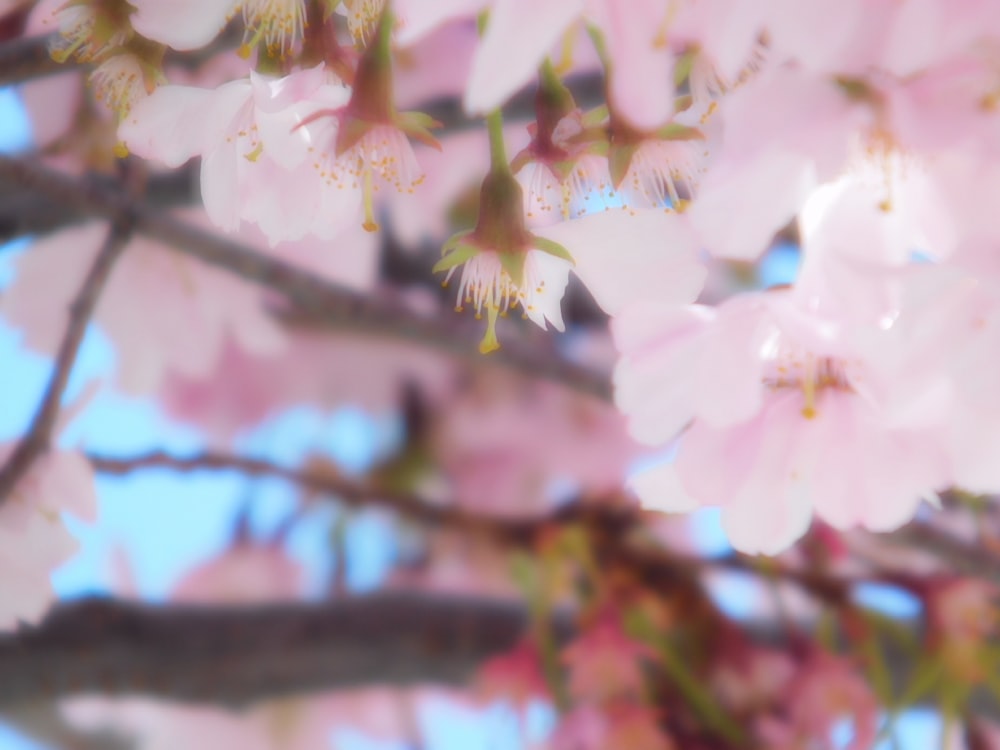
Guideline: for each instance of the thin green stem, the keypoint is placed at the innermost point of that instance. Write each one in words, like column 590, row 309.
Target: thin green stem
column 498, row 152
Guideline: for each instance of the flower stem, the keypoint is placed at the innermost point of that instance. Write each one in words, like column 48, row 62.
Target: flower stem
column 498, row 152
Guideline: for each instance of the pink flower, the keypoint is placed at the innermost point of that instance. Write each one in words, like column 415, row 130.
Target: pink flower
column 181, row 24
column 516, row 676
column 514, row 449
column 774, row 393
column 825, row 692
column 206, row 305
column 604, row 663
column 257, row 164
column 245, row 574
column 33, row 539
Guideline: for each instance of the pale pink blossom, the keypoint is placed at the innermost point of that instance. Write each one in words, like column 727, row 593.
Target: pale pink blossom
column 206, row 305
column 774, row 392
column 244, row 389
column 247, row 573
column 181, row 24
column 33, row 538
column 515, row 449
column 257, row 162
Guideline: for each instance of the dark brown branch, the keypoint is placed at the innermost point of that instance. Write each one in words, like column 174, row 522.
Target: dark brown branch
column 327, row 302
column 36, row 441
column 29, row 212
column 25, row 58
column 235, row 655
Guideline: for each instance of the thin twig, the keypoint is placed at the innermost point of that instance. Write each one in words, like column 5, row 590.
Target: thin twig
column 315, row 478
column 36, row 441
column 330, row 303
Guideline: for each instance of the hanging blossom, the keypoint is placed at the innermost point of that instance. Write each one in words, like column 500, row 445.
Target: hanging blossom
column 363, row 146
column 256, row 161
column 659, row 170
column 563, row 172
column 505, row 266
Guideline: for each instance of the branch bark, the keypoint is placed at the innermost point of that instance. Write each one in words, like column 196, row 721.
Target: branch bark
column 36, row 441
column 236, row 655
column 326, row 302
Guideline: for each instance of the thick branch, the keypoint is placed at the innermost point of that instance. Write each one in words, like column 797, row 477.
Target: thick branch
column 235, row 655
column 25, row 58
column 36, row 441
column 232, row 656
column 328, row 302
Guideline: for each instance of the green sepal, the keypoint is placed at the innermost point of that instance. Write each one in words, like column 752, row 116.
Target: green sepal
column 683, row 102
column 456, row 257
column 351, row 131
column 523, row 157
column 418, row 126
column 598, row 116
column 855, row 88
column 513, row 264
column 619, row 160
column 682, row 68
column 552, row 248
column 676, row 132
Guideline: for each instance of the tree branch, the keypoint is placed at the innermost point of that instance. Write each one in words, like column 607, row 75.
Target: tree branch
column 36, row 441
column 327, row 302
column 24, row 58
column 236, row 655
column 233, row 656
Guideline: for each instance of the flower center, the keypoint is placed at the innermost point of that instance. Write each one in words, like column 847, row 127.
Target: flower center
column 811, row 374
column 279, row 23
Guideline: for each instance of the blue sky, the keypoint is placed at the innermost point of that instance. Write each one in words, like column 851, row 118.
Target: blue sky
column 166, row 523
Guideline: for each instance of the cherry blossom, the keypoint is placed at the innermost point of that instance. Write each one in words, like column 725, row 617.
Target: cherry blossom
column 256, row 164
column 207, row 306
column 33, row 538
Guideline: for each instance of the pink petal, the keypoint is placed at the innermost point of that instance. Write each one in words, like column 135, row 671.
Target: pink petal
column 624, row 256
column 181, row 24
column 519, row 35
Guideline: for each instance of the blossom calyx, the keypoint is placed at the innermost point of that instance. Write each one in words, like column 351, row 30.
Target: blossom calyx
column 500, row 267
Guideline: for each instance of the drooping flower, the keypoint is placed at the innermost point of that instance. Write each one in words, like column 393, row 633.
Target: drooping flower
column 256, row 162
column 364, row 144
column 561, row 170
